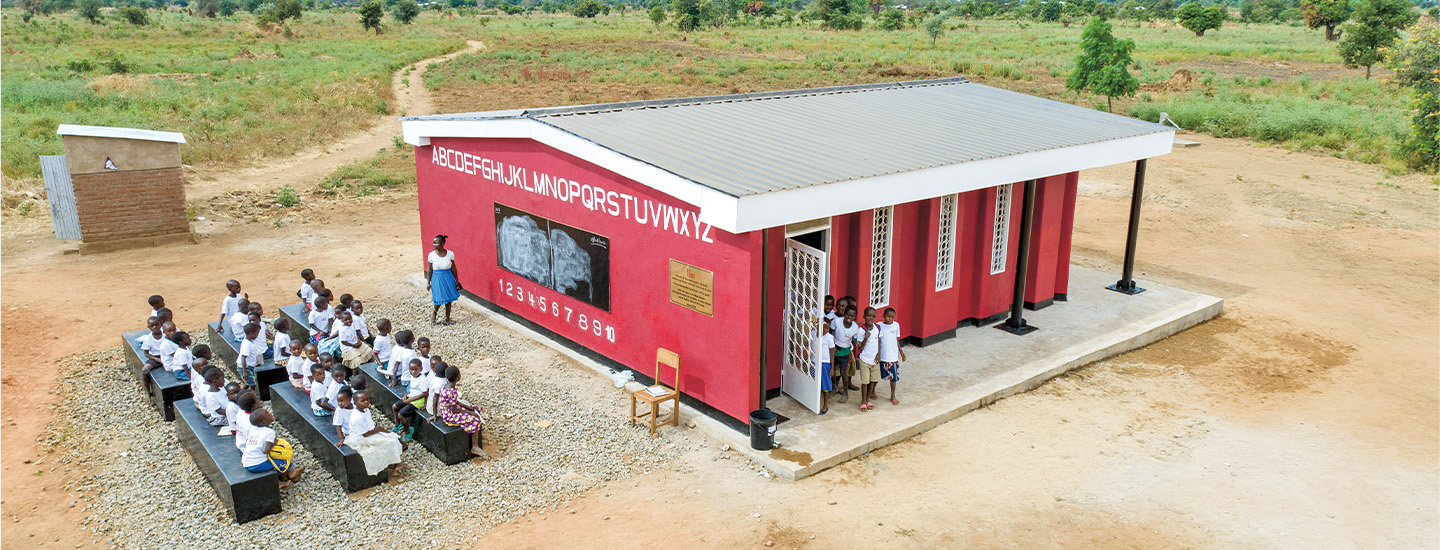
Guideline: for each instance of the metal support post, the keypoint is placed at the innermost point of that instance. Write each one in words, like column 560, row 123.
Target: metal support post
column 1126, row 284
column 1016, row 323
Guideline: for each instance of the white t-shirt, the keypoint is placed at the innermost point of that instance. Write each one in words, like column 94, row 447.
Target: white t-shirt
column 358, row 321
column 357, row 422
column 254, row 449
column 230, row 305
column 167, row 353
column 317, row 392
column 180, row 360
column 830, row 317
column 442, row 262
column 382, row 350
column 889, row 341
column 215, row 400
column 321, row 319
column 238, row 322
column 251, row 352
column 872, row 346
column 282, row 347
column 332, row 390
column 845, row 336
column 341, row 413
column 418, row 385
column 307, row 294
column 400, row 361
column 197, row 386
column 348, row 334
column 152, row 345
column 823, row 345
column 301, row 366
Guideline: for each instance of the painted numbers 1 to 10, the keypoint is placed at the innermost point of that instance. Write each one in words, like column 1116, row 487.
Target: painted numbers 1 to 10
column 554, row 309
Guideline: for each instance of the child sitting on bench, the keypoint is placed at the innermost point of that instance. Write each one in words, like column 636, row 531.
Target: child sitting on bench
column 407, row 409
column 237, row 415
column 180, row 359
column 400, row 357
column 318, row 403
column 214, row 398
column 200, row 357
column 259, row 441
column 357, row 313
column 380, row 450
column 306, row 292
column 344, row 405
column 316, row 285
column 298, row 366
column 450, row 409
column 381, row 344
column 339, row 375
column 280, row 350
column 156, row 302
column 353, row 351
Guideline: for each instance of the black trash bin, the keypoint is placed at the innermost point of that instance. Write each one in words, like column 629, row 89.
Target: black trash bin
column 762, row 429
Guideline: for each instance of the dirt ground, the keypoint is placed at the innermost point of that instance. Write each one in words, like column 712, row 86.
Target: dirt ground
column 1304, row 417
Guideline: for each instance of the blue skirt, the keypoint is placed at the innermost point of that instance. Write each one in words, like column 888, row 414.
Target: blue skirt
column 442, row 287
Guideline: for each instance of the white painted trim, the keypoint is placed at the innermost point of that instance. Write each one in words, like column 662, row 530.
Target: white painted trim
column 945, row 262
column 119, row 133
column 776, row 209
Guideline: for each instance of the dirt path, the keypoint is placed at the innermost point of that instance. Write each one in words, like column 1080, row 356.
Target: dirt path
column 411, row 98
column 1306, row 416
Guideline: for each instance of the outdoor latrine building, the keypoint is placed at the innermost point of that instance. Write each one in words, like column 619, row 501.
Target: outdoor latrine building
column 714, row 226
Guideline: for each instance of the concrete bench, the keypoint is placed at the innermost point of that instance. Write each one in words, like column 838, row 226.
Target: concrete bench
column 249, row 496
column 227, row 350
column 299, row 321
column 448, row 443
column 292, row 407
column 165, row 389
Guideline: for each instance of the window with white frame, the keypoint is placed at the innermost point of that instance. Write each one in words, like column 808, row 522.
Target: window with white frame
column 1000, row 244
column 880, row 256
column 945, row 244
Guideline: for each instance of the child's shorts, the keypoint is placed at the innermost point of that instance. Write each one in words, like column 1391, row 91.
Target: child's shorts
column 867, row 372
column 826, row 384
column 890, row 370
column 320, row 412
column 844, row 366
column 181, row 374
column 272, row 464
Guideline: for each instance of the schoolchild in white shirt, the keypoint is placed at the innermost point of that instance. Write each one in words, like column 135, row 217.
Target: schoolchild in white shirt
column 298, row 365
column 357, row 313
column 259, row 440
column 156, row 302
column 846, row 330
column 890, row 353
column 316, row 285
column 407, row 409
column 252, row 353
column 320, row 318
column 231, row 303
column 280, row 350
column 380, row 450
column 199, row 363
column 382, row 344
column 343, row 407
column 179, row 363
column 398, row 365
column 318, row 403
column 306, row 293
column 237, row 414
column 214, row 397
column 825, row 352
column 238, row 320
column 867, row 366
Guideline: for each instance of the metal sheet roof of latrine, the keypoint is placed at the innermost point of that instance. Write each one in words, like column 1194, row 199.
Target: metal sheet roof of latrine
column 747, row 144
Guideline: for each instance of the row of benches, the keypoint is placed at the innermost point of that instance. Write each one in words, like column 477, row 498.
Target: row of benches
column 248, row 495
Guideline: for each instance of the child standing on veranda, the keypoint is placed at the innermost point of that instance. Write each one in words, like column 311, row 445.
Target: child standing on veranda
column 379, row 449
column 890, row 353
column 825, row 352
column 845, row 332
column 867, row 367
column 259, row 440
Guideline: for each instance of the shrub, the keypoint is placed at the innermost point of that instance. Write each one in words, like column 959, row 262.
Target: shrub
column 588, row 9
column 891, row 20
column 370, row 15
column 1198, row 19
column 285, row 196
column 134, row 15
column 405, row 11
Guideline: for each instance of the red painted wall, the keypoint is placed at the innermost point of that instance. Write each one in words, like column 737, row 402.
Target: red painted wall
column 716, row 353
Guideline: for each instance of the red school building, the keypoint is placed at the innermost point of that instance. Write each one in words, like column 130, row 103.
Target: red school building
column 713, row 226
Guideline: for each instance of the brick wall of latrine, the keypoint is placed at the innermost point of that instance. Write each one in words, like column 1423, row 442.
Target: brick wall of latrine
column 126, row 204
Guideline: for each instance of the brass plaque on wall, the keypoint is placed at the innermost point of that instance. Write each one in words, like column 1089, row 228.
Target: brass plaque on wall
column 692, row 287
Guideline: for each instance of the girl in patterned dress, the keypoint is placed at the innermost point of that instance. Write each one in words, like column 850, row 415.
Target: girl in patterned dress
column 455, row 412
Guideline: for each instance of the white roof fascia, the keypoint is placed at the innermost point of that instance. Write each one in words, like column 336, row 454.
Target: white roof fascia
column 794, row 205
column 776, row 209
column 716, row 208
column 119, row 133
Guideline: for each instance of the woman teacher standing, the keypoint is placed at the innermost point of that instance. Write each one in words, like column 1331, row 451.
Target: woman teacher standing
column 444, row 286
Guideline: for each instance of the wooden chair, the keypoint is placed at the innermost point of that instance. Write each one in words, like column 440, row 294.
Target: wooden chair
column 663, row 358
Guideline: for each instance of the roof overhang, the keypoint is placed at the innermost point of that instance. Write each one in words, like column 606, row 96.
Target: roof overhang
column 778, row 208
column 119, row 133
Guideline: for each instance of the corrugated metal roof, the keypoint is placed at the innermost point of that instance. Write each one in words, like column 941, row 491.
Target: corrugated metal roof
column 749, row 144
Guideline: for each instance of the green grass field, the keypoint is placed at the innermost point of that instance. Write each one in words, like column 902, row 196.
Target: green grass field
column 241, row 94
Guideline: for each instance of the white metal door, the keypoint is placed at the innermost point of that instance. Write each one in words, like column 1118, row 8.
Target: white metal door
column 805, row 282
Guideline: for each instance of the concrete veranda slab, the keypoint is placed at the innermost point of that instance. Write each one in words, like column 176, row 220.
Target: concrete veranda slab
column 943, row 381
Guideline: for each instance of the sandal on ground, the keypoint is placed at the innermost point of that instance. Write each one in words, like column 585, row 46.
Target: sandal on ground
column 894, row 401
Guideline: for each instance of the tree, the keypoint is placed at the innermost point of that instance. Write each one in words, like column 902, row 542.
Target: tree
column 1198, row 19
column 1049, row 11
column 226, row 8
column 405, row 11
column 134, row 15
column 89, row 10
column 657, row 15
column 588, row 9
column 1326, row 13
column 1416, row 62
column 891, row 20
column 371, row 13
column 287, row 9
column 935, row 27
column 687, row 14
column 1103, row 66
column 1376, row 25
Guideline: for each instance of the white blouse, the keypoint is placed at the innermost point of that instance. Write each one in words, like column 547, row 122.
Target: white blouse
column 442, row 262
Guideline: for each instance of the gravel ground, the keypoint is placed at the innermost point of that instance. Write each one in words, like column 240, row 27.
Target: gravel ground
column 147, row 493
